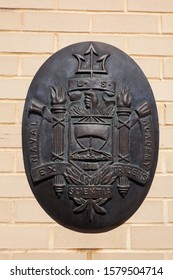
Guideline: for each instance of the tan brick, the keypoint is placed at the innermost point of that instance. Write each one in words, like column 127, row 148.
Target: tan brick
column 31, row 4
column 167, row 23
column 5, row 211
column 150, row 6
column 127, row 256
column 56, row 255
column 14, row 186
column 162, row 90
column 8, row 65
column 5, row 256
column 169, row 256
column 6, row 161
column 43, row 21
column 168, row 157
column 161, row 113
column 152, row 237
column 161, row 187
column 10, row 136
column 23, row 237
column 168, row 68
column 31, row 64
column 26, row 42
column 169, row 113
column 160, row 162
column 19, row 111
column 14, row 88
column 150, row 211
column 19, row 162
column 65, row 40
column 7, row 112
column 166, row 136
column 145, row 65
column 151, row 45
column 10, row 20
column 112, row 239
column 30, row 211
column 96, row 5
column 170, row 211
column 125, row 23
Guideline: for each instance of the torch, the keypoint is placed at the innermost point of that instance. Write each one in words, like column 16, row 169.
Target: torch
column 124, row 103
column 58, row 110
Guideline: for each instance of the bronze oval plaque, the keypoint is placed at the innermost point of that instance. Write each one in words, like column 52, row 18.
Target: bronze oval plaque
column 90, row 137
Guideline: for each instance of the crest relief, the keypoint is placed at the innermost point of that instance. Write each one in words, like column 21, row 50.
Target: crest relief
column 90, row 137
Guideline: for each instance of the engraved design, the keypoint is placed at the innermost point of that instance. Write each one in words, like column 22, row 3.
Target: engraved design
column 93, row 57
column 124, row 100
column 90, row 192
column 97, row 122
column 58, row 110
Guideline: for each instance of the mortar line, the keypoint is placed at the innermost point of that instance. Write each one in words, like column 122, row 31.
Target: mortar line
column 128, row 238
column 165, row 211
column 89, row 255
column 160, row 25
column 90, row 23
column 125, row 6
column 51, row 239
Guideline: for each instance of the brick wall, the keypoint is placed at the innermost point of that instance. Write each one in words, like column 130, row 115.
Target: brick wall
column 30, row 32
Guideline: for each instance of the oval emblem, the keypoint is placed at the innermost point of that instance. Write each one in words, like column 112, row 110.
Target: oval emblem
column 90, row 137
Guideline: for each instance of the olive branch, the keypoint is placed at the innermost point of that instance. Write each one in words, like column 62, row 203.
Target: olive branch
column 76, row 177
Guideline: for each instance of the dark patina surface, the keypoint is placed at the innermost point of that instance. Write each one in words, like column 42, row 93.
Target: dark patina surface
column 90, row 137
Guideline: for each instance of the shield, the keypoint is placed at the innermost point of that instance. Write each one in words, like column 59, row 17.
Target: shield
column 90, row 137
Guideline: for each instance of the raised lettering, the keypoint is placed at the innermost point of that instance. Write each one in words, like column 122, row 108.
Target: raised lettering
column 103, row 84
column 34, row 158
column 80, row 83
column 42, row 171
column 51, row 169
column 147, row 157
column 33, row 142
column 33, row 132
